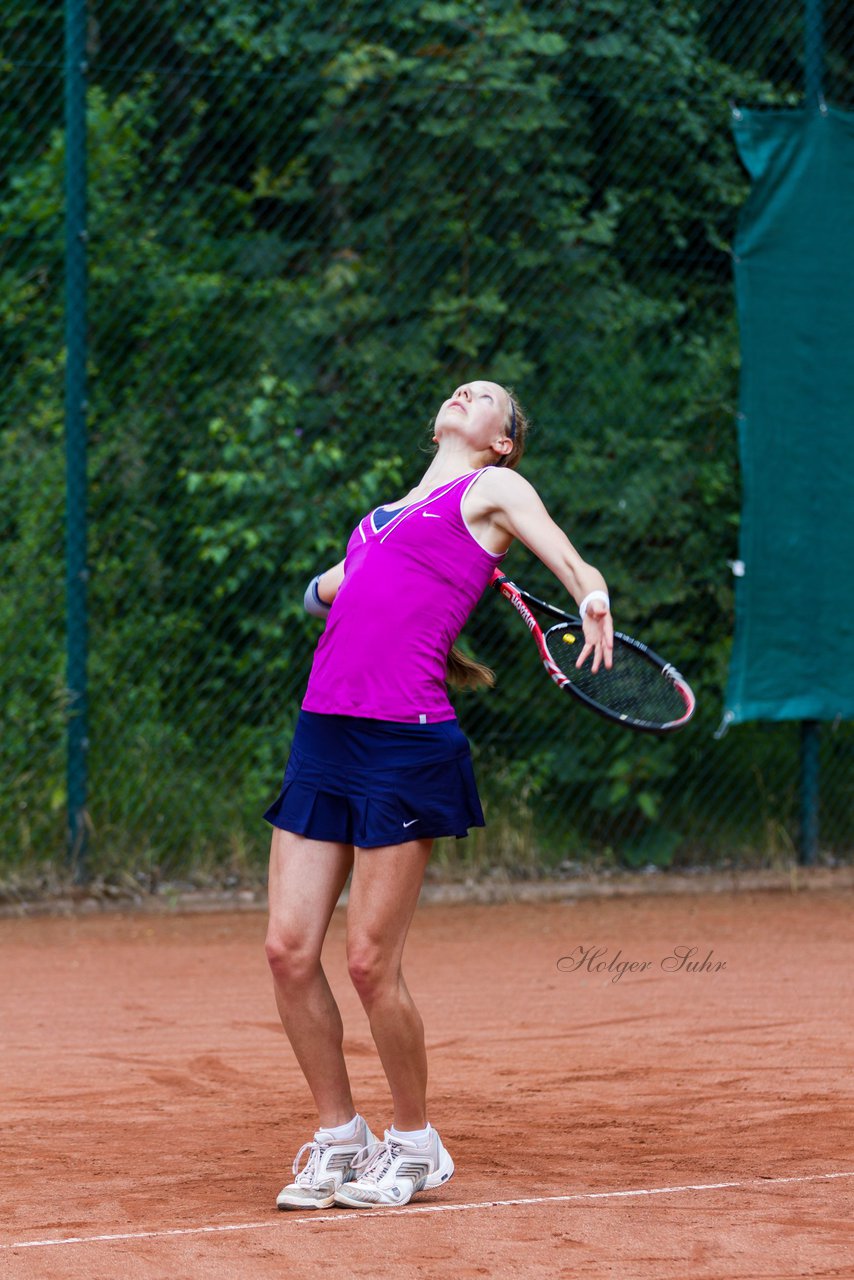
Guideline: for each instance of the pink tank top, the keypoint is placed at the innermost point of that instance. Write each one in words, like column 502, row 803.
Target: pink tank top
column 408, row 590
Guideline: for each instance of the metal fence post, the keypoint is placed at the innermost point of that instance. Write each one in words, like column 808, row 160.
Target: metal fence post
column 809, row 791
column 75, row 427
column 813, row 91
column 813, row 53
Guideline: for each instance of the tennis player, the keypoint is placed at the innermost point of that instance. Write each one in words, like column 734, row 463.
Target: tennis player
column 379, row 769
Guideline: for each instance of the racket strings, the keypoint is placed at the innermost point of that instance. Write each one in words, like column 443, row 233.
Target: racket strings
column 634, row 687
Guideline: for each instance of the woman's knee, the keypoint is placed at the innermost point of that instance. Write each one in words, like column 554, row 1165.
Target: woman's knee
column 371, row 969
column 288, row 956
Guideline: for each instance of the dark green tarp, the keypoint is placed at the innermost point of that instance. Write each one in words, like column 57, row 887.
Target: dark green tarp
column 793, row 655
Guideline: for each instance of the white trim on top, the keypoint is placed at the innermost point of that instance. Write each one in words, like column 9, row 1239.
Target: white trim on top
column 397, row 520
column 495, row 555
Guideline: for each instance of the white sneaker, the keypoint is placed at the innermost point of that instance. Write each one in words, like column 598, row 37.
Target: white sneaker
column 329, row 1164
column 393, row 1170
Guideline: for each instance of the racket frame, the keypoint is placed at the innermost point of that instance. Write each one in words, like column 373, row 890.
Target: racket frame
column 521, row 600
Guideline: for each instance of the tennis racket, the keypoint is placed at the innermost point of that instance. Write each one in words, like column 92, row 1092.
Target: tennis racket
column 641, row 690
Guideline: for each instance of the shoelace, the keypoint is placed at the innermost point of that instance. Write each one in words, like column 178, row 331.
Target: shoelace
column 306, row 1176
column 373, row 1163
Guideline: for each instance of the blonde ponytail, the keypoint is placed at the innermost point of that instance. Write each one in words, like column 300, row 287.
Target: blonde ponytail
column 465, row 673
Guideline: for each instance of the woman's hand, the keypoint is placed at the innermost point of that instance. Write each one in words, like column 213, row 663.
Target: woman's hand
column 598, row 636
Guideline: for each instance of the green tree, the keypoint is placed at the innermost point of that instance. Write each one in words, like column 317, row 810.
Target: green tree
column 303, row 228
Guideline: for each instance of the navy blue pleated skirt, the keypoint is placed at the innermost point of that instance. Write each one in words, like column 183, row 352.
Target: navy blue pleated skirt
column 372, row 783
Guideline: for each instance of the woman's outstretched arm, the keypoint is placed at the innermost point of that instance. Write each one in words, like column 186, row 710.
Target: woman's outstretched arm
column 517, row 510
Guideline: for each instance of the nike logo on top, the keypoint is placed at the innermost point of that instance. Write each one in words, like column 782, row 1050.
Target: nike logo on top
column 431, row 515
column 410, row 822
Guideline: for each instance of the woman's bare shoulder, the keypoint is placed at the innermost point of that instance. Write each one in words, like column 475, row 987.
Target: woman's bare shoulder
column 499, row 486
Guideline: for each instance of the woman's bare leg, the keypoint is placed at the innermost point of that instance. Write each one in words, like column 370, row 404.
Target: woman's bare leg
column 306, row 879
column 383, row 896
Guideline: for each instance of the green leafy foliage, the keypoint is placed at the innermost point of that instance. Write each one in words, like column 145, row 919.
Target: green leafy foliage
column 302, row 231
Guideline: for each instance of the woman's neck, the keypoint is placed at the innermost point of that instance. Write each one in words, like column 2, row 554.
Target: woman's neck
column 449, row 465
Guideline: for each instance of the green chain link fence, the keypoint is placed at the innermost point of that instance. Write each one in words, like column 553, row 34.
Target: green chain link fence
column 307, row 223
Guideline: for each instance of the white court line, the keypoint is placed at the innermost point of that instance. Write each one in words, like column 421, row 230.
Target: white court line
column 409, row 1210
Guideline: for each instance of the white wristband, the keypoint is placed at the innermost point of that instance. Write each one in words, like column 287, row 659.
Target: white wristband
column 593, row 595
column 312, row 602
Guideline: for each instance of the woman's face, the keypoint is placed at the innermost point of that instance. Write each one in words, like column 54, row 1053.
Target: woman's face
column 477, row 410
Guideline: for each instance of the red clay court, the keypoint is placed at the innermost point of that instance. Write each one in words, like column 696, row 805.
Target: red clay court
column 669, row 1123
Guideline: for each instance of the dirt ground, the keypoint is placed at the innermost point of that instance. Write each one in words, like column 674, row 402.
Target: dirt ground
column 643, row 1123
